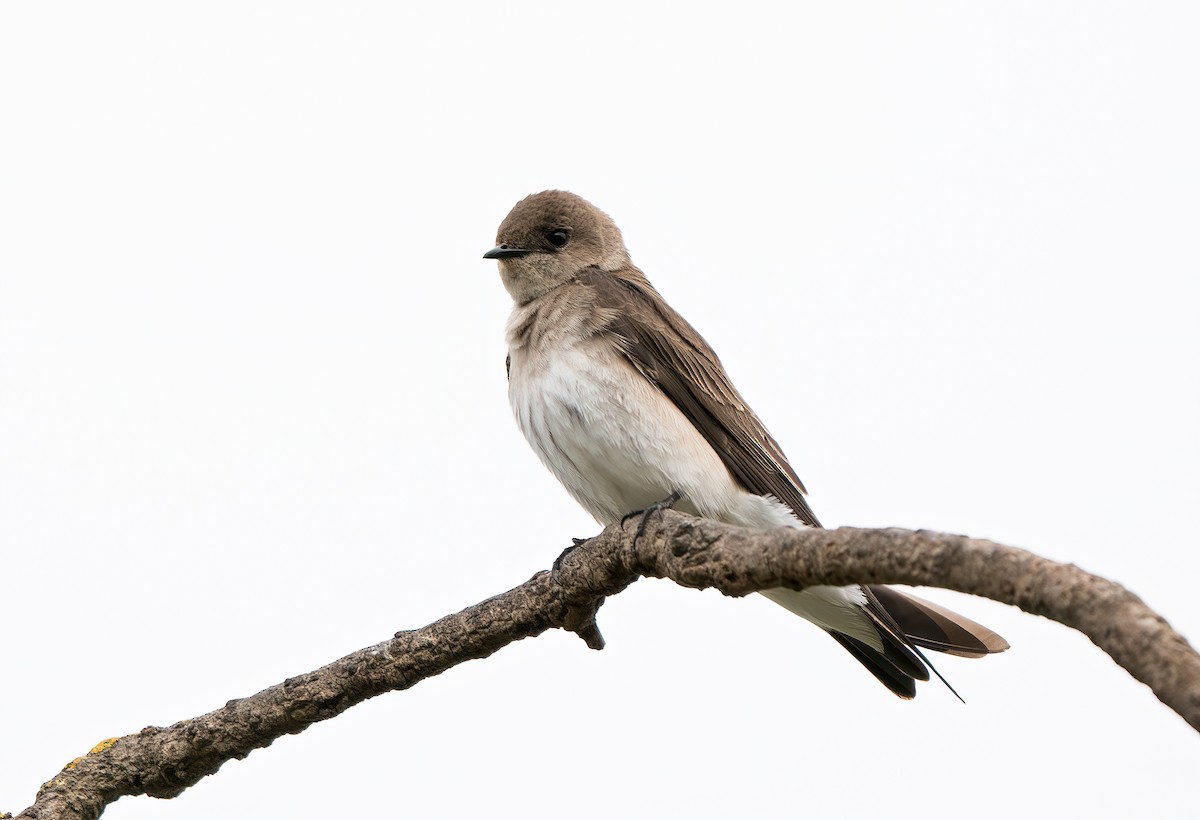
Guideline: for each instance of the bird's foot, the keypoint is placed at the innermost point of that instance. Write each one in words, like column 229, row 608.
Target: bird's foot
column 666, row 504
column 576, row 543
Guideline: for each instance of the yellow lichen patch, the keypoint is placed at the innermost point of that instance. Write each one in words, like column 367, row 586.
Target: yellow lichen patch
column 99, row 747
column 56, row 782
column 102, row 745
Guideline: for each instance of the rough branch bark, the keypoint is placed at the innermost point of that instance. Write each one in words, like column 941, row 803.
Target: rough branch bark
column 162, row 762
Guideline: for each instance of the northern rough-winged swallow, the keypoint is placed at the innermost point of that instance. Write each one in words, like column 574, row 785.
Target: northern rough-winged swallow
column 628, row 405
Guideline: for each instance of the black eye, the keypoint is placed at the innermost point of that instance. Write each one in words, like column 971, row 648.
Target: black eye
column 557, row 238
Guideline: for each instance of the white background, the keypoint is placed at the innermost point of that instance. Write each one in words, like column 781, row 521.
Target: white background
column 252, row 394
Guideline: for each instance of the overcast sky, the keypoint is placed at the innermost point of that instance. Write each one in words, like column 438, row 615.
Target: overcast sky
column 253, row 412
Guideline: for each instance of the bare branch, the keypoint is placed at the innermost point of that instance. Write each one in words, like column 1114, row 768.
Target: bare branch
column 690, row 551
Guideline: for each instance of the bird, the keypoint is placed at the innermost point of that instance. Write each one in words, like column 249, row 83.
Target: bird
column 628, row 406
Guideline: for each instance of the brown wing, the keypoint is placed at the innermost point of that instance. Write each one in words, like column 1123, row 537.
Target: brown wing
column 674, row 357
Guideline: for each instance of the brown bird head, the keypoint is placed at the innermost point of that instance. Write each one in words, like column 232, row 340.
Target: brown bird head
column 548, row 238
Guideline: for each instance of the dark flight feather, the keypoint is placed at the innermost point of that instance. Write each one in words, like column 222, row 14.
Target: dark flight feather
column 673, row 356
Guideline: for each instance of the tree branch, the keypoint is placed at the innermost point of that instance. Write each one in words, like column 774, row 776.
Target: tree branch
column 690, row 551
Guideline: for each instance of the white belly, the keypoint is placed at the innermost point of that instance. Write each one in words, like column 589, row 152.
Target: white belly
column 618, row 444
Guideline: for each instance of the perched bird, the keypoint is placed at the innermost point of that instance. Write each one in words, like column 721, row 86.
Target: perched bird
column 628, row 405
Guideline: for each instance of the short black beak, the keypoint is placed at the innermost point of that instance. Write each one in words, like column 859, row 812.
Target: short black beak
column 505, row 252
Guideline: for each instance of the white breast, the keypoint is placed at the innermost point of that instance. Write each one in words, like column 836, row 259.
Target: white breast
column 615, row 441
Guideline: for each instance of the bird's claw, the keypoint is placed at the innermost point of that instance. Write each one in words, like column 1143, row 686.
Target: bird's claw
column 576, row 543
column 666, row 504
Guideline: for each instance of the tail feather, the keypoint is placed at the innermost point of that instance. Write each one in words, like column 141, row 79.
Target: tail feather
column 928, row 625
column 896, row 649
column 904, row 623
column 885, row 630
column 901, row 683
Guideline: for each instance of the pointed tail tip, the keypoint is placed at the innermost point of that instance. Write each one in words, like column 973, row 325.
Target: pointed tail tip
column 905, row 625
column 932, row 626
column 995, row 643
